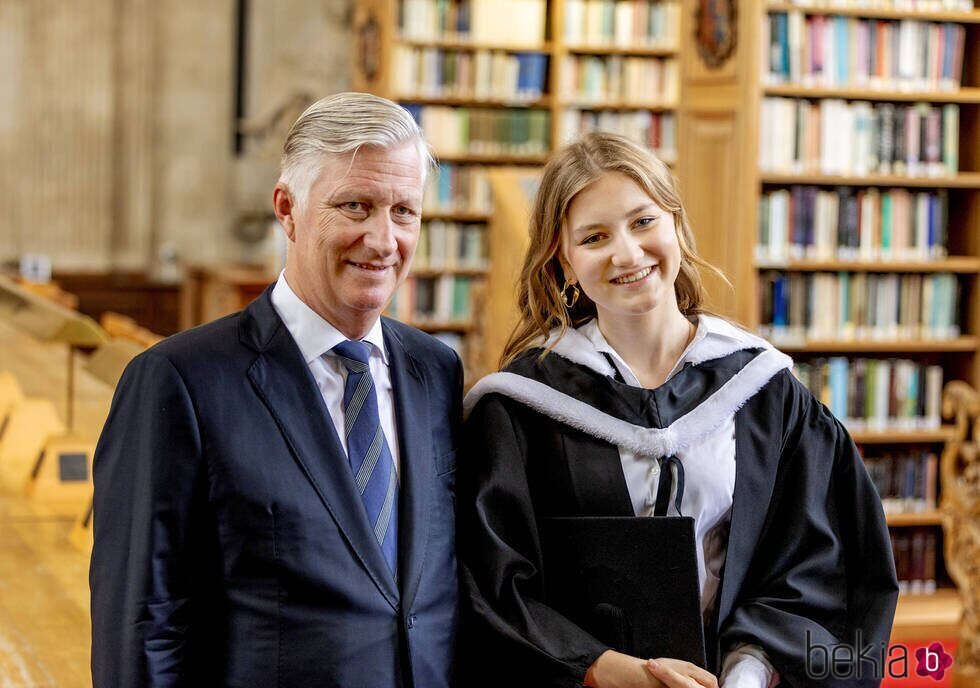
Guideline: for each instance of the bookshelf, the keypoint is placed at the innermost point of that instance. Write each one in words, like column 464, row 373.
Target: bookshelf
column 499, row 84
column 771, row 123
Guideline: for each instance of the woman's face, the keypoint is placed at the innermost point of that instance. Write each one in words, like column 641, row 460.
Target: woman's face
column 621, row 248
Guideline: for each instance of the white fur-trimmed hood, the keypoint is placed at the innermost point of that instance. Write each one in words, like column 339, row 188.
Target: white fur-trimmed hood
column 722, row 340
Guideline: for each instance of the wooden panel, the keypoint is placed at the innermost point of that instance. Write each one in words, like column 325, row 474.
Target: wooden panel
column 508, row 237
column 152, row 304
column 710, row 165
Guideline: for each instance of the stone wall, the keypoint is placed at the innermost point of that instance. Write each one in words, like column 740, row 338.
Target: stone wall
column 117, row 121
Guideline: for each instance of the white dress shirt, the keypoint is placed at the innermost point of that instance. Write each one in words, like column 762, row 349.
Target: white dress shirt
column 315, row 338
column 709, row 471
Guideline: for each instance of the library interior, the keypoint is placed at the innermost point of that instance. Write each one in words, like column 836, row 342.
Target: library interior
column 827, row 152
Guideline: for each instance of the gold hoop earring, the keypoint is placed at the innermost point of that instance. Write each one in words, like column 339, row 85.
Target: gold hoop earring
column 569, row 302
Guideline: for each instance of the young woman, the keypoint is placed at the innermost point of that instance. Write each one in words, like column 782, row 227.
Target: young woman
column 793, row 554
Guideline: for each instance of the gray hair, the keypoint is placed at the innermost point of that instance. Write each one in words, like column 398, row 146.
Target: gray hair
column 340, row 124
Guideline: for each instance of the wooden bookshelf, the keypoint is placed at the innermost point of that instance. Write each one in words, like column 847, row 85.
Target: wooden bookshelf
column 490, row 159
column 460, row 272
column 449, row 44
column 618, row 106
column 963, row 180
column 966, row 344
column 719, row 143
column 962, row 95
column 460, row 327
column 387, row 40
column 937, row 436
column 638, row 51
column 927, row 617
column 924, row 518
column 957, row 264
column 461, row 101
column 453, row 216
column 872, row 13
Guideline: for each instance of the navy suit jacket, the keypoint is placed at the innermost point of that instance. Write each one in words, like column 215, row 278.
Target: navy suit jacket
column 231, row 547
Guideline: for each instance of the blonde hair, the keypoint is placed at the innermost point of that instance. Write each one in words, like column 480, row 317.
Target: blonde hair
column 568, row 171
column 342, row 123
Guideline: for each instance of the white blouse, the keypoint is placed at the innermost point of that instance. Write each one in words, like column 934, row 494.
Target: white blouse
column 709, row 470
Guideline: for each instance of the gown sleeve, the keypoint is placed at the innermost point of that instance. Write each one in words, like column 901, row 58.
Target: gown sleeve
column 822, row 573
column 510, row 636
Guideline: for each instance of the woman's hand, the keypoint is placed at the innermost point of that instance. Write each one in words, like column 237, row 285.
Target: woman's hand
column 616, row 670
column 675, row 673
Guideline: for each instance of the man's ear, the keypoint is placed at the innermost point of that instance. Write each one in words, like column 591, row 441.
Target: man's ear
column 284, row 206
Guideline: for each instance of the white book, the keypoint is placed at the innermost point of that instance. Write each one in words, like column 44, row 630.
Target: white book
column 796, row 27
column 882, row 381
column 778, row 219
column 593, row 22
column 861, row 162
column 444, row 298
column 765, row 129
column 828, row 110
column 922, row 226
column 575, row 22
column 623, row 23
column 906, row 54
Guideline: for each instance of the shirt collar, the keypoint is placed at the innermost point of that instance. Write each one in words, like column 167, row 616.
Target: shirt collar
column 313, row 335
column 594, row 335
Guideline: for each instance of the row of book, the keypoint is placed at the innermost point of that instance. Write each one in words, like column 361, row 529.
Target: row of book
column 451, row 245
column 504, row 22
column 655, row 130
column 846, row 52
column 810, row 223
column 906, row 482
column 474, row 74
column 896, row 5
column 618, row 79
column 835, row 137
column 622, row 23
column 483, row 131
column 876, row 394
column 453, row 188
column 915, row 551
column 795, row 307
column 445, row 299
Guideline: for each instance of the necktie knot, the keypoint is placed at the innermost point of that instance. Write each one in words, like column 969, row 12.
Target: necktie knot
column 354, row 355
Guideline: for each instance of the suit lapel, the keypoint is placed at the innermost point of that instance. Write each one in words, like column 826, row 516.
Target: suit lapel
column 417, row 462
column 282, row 379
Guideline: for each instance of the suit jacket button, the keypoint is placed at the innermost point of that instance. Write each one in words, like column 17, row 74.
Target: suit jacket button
column 411, row 620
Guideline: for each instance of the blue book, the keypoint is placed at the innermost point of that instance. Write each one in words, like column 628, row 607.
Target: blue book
column 949, row 41
column 415, row 111
column 446, row 174
column 782, row 41
column 463, row 17
column 523, row 73
column 780, row 305
column 540, row 61
column 841, row 40
column 838, row 387
column 931, row 233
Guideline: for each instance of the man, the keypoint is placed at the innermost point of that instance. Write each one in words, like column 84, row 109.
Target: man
column 274, row 490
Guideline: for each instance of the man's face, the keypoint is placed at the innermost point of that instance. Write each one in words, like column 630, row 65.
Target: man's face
column 354, row 238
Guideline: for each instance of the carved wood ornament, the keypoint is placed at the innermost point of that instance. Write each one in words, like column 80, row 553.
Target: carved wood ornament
column 960, row 474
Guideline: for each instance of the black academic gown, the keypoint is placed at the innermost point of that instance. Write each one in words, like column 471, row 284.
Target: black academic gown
column 808, row 558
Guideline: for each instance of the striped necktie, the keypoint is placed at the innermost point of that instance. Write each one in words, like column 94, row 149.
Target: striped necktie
column 368, row 452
